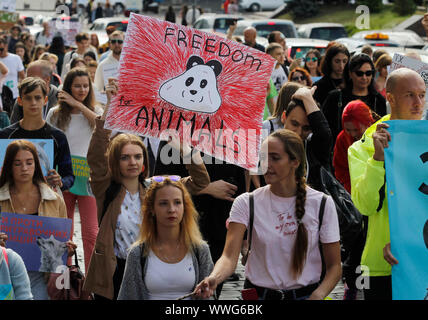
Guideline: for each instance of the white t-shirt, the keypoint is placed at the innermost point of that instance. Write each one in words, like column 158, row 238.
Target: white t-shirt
column 278, row 77
column 14, row 63
column 78, row 132
column 274, row 234
column 169, row 281
column 106, row 69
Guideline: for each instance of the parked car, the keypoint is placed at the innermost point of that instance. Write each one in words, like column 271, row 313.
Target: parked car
column 298, row 47
column 403, row 38
column 99, row 27
column 211, row 22
column 401, row 50
column 266, row 26
column 259, row 5
column 324, row 31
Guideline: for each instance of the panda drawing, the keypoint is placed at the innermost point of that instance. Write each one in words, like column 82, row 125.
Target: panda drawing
column 196, row 88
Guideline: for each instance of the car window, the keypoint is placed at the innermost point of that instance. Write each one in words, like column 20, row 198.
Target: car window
column 329, row 34
column 29, row 21
column 223, row 24
column 119, row 25
column 263, row 30
column 304, row 50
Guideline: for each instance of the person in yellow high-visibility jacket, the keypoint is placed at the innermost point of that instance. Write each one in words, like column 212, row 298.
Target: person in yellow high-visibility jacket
column 405, row 92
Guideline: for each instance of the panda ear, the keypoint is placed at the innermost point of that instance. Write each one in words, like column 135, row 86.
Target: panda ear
column 193, row 61
column 216, row 66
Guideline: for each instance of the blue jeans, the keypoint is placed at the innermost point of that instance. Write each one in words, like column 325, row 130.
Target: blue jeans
column 39, row 288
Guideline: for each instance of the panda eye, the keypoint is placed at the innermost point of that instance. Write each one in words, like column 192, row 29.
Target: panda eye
column 204, row 83
column 189, row 81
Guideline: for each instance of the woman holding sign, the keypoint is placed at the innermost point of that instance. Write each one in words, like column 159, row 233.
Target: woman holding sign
column 23, row 190
column 75, row 116
column 289, row 223
column 119, row 168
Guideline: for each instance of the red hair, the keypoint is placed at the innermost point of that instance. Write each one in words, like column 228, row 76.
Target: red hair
column 358, row 113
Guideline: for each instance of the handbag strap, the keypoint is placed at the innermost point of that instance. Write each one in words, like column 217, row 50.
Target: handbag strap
column 5, row 255
column 320, row 218
column 76, row 262
column 251, row 221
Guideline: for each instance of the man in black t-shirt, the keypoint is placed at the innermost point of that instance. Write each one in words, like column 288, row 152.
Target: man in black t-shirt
column 32, row 98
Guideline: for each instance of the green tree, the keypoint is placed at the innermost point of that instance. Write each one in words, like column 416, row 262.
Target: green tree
column 303, row 8
column 374, row 5
column 404, row 7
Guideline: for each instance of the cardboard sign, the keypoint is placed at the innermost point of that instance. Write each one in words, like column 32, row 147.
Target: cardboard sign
column 40, row 241
column 407, row 186
column 208, row 89
column 45, row 150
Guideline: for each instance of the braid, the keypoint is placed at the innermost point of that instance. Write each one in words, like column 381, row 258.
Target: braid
column 301, row 244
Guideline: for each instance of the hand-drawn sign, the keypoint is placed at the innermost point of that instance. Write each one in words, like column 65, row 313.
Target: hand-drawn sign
column 205, row 87
column 424, row 188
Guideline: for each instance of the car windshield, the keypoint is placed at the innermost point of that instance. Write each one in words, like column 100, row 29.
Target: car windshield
column 263, row 30
column 223, row 24
column 119, row 25
column 303, row 51
column 329, row 34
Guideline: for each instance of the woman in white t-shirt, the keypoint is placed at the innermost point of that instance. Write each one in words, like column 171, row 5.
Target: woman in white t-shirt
column 170, row 257
column 75, row 115
column 284, row 261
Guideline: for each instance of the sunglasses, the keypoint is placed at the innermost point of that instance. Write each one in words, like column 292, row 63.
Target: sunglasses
column 313, row 59
column 298, row 78
column 163, row 178
column 114, row 41
column 360, row 73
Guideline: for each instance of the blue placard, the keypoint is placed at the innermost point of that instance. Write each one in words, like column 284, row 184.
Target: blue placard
column 406, row 165
column 45, row 150
column 40, row 241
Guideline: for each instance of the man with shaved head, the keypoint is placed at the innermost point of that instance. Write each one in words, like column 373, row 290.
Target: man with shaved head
column 405, row 92
column 250, row 34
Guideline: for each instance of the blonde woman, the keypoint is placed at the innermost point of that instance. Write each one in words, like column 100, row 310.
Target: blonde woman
column 175, row 258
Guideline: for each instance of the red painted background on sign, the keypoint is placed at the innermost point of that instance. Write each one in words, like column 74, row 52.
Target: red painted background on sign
column 156, row 51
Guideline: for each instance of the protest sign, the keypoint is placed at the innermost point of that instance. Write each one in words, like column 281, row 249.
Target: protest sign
column 65, row 27
column 81, row 173
column 40, row 241
column 8, row 19
column 406, row 166
column 8, row 5
column 45, row 150
column 209, row 89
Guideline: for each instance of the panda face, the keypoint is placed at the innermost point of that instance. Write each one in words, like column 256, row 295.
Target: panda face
column 196, row 88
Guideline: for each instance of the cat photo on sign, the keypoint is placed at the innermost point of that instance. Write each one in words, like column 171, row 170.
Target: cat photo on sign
column 195, row 89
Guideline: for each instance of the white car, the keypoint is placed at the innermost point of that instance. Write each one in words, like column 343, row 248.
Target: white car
column 211, row 22
column 258, row 5
column 99, row 27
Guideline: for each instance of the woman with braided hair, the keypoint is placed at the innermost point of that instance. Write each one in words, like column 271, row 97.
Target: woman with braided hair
column 284, row 261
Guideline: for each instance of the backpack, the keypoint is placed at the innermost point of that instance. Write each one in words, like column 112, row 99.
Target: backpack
column 350, row 219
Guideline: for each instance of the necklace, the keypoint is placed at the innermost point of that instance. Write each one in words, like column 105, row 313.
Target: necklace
column 280, row 212
column 31, row 200
column 169, row 260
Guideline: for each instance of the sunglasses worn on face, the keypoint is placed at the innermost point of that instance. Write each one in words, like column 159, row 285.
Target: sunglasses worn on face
column 116, row 41
column 360, row 73
column 313, row 59
column 298, row 78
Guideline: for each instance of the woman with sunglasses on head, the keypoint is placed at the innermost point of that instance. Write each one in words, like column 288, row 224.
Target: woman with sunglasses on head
column 170, row 257
column 301, row 76
column 312, row 64
column 285, row 261
column 119, row 167
column 75, row 116
column 359, row 85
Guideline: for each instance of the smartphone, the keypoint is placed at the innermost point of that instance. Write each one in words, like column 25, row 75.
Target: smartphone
column 249, row 294
column 299, row 54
